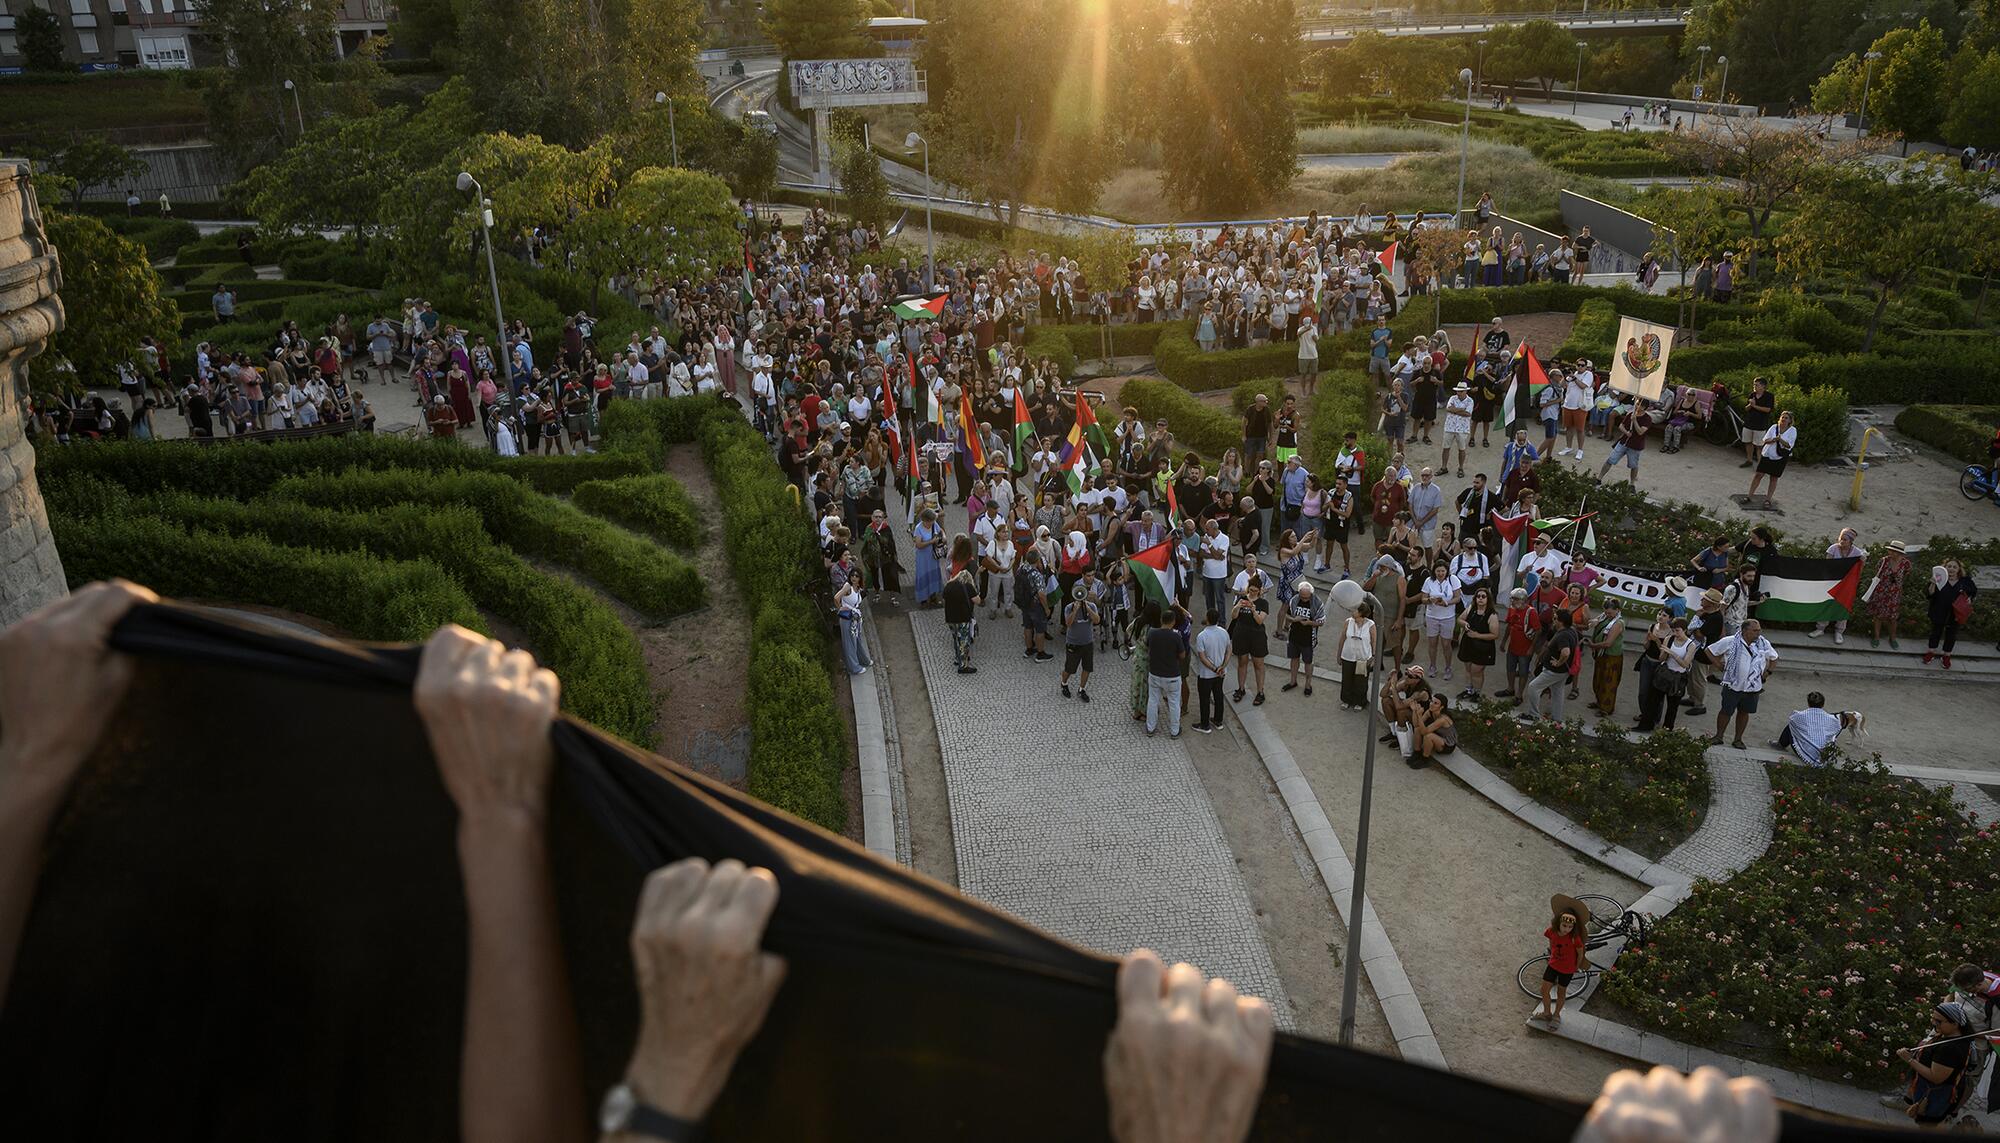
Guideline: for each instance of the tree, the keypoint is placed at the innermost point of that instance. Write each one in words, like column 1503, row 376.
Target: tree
column 1238, row 143
column 1909, row 93
column 860, row 171
column 41, row 39
column 1761, row 167
column 1887, row 228
column 819, row 29
column 1541, row 50
column 572, row 71
column 1979, row 244
column 1104, row 255
column 112, row 297
column 530, row 183
column 677, row 222
column 1411, row 71
column 1838, row 92
column 1973, row 119
column 1689, row 225
column 1004, row 130
column 251, row 114
column 85, row 161
column 1437, row 252
column 1790, row 41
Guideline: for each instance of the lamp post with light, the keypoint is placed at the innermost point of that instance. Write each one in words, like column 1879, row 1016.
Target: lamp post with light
column 467, row 183
column 1867, row 74
column 1350, row 594
column 297, row 107
column 1464, row 141
column 1576, row 85
column 673, row 133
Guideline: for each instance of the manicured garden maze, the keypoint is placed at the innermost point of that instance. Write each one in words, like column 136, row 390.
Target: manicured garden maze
column 388, row 538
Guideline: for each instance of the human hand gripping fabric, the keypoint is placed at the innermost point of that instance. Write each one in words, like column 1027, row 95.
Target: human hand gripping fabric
column 1187, row 1059
column 58, row 676
column 1667, row 1107
column 705, row 983
column 487, row 711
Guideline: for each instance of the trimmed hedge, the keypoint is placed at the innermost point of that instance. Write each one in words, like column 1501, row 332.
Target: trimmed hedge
column 1130, row 339
column 798, row 745
column 1595, row 330
column 162, row 237
column 1344, row 400
column 654, row 504
column 1195, row 423
column 1963, row 431
column 1177, row 356
column 644, row 575
column 395, row 601
column 604, row 679
column 1048, row 341
column 1699, row 364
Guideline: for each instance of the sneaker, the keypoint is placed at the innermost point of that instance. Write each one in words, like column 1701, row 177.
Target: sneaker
column 1838, row 637
column 1389, row 738
column 1027, row 652
column 1874, row 641
column 1319, row 569
column 1947, row 662
column 1447, row 673
column 1065, row 690
column 1715, row 740
column 1774, row 744
column 1043, row 656
column 1813, row 634
column 1175, row 734
column 1895, row 644
column 1009, row 613
column 1929, row 655
column 1895, row 1100
column 965, row 670
column 972, row 670
column 1149, row 733
column 1083, row 694
column 1205, row 728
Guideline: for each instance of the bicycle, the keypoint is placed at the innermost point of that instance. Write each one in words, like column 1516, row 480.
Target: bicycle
column 1979, row 482
column 1725, row 425
column 1609, row 921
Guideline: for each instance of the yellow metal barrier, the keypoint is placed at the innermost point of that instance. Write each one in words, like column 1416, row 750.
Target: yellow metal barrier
column 1860, row 470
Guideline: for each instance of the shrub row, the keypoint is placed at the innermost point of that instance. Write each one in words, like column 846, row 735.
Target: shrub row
column 1595, row 330
column 1132, row 339
column 1208, row 429
column 162, row 237
column 654, row 504
column 1177, row 356
column 1048, row 341
column 243, row 472
column 1344, row 401
column 798, row 746
column 572, row 632
column 396, row 601
column 1964, row 431
column 644, row 575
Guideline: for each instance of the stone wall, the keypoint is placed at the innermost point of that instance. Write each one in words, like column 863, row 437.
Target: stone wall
column 30, row 572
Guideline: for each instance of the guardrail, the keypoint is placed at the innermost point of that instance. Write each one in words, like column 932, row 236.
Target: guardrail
column 1610, row 17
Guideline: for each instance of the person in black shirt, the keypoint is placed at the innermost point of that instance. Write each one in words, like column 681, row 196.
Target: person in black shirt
column 1552, row 668
column 1937, row 1063
column 1256, row 429
column 1164, row 651
column 960, row 604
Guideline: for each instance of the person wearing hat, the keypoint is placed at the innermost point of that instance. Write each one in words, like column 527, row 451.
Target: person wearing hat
column 1569, row 922
column 1457, row 425
column 1523, row 625
column 1404, row 692
column 1885, row 593
column 443, row 422
column 1676, row 601
column 1706, row 627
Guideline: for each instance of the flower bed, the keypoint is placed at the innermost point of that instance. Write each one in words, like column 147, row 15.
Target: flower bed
column 1828, row 950
column 1647, row 793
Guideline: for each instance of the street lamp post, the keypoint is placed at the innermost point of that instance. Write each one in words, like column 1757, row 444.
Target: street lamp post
column 1576, row 85
column 467, row 183
column 1721, row 89
column 911, row 141
column 1867, row 73
column 1464, row 140
column 1479, row 70
column 1349, row 594
column 660, row 97
column 1700, row 77
column 297, row 107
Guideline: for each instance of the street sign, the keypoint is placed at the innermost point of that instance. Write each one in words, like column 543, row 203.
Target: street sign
column 1697, row 91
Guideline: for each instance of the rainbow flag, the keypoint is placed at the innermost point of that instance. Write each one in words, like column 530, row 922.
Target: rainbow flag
column 969, row 443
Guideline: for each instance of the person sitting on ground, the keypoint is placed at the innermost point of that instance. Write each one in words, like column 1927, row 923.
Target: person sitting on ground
column 1811, row 732
column 1432, row 734
column 1403, row 692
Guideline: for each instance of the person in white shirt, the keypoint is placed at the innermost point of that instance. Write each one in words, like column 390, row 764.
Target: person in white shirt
column 1470, row 568
column 1577, row 396
column 503, row 438
column 1842, row 549
column 1809, row 732
column 1775, row 453
column 1457, row 425
column 1747, row 659
column 1214, row 563
column 1440, row 595
column 1542, row 562
column 639, row 379
column 1211, row 655
column 1309, row 354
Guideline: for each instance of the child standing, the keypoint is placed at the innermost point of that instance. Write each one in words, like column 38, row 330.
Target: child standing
column 1565, row 936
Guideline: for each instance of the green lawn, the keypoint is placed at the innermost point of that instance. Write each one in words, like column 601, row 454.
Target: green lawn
column 97, row 102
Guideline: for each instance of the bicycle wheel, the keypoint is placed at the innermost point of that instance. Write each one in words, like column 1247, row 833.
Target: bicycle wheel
column 1604, row 911
column 1973, row 485
column 1721, row 429
column 1580, row 981
column 1529, row 976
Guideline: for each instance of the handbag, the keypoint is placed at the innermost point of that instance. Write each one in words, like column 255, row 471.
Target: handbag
column 1961, row 608
column 1670, row 682
column 1354, row 649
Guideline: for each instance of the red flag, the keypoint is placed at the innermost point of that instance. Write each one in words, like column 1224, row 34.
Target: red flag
column 1509, row 527
column 1388, row 258
column 1173, row 507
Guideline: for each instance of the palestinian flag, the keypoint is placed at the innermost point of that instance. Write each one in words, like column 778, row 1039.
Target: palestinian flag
column 749, row 277
column 1509, row 527
column 1388, row 258
column 1153, row 571
column 917, row 307
column 1173, row 507
column 1472, row 358
column 1807, row 590
column 889, row 423
column 1083, row 467
column 1524, row 388
column 1092, row 432
column 1024, row 431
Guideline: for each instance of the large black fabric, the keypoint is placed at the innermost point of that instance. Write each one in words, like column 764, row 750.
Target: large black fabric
column 250, row 927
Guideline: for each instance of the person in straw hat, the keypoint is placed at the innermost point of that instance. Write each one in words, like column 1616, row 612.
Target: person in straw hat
column 1568, row 922
column 1884, row 595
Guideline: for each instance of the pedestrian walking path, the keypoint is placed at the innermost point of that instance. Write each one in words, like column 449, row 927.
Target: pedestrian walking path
column 1737, row 829
column 1074, row 820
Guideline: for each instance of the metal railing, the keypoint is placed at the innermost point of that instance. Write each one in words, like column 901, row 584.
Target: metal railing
column 1480, row 20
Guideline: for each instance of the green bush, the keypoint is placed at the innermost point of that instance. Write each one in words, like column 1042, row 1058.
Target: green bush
column 1343, row 401
column 394, row 601
column 798, row 745
column 162, row 237
column 1964, row 431
column 1699, row 364
column 1595, row 330
column 1132, row 339
column 1177, row 356
column 644, row 575
column 1647, row 792
column 654, row 504
column 1048, row 341
column 1241, row 397
column 572, row 632
column 1968, row 376
column 1196, row 425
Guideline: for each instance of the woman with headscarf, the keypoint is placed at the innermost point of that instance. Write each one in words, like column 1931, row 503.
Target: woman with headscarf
column 1074, row 559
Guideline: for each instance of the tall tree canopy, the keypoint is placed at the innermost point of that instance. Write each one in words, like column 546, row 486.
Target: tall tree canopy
column 111, row 298
column 1539, row 50
column 1238, row 142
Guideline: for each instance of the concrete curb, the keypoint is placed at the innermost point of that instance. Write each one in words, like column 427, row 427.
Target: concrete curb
column 1415, row 1039
column 879, row 817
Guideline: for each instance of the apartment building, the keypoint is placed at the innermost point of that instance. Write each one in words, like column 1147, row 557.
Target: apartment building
column 105, row 35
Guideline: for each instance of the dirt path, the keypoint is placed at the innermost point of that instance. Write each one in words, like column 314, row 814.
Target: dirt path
column 698, row 661
column 927, row 804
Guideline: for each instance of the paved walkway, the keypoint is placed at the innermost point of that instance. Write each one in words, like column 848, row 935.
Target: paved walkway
column 1737, row 829
column 1077, row 822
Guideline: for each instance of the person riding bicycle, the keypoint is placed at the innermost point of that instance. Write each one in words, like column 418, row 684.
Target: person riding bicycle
column 1566, row 956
